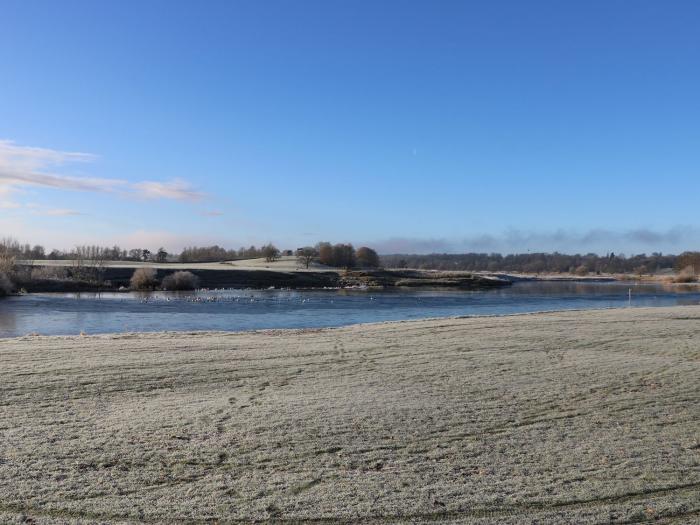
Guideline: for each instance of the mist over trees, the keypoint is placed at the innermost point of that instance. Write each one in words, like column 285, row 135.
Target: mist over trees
column 535, row 262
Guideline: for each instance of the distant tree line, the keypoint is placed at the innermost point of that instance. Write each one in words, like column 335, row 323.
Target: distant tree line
column 336, row 255
column 216, row 253
column 543, row 262
column 11, row 247
column 344, row 255
column 88, row 252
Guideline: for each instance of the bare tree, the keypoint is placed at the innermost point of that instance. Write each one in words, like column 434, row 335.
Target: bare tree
column 7, row 266
column 325, row 253
column 307, row 255
column 7, row 256
column 162, row 255
column 270, row 252
column 89, row 262
column 339, row 255
column 344, row 255
column 367, row 257
column 688, row 260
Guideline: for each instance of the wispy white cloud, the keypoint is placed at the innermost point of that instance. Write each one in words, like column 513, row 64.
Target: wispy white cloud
column 212, row 213
column 59, row 212
column 22, row 166
column 30, row 158
column 175, row 189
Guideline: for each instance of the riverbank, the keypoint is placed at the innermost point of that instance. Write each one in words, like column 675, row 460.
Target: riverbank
column 117, row 277
column 581, row 417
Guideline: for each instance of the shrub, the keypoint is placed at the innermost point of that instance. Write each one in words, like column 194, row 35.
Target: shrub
column 49, row 272
column 144, row 279
column 640, row 270
column 581, row 270
column 686, row 275
column 180, row 281
column 6, row 286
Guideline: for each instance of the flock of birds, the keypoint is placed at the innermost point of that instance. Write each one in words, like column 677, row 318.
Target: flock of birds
column 223, row 296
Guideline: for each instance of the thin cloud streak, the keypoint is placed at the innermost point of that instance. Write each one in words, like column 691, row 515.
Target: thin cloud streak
column 60, row 212
column 29, row 158
column 28, row 166
column 176, row 189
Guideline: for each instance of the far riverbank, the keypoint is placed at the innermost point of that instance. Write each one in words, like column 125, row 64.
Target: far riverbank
column 117, row 277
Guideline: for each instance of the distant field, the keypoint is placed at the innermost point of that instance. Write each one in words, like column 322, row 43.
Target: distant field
column 284, row 264
column 568, row 417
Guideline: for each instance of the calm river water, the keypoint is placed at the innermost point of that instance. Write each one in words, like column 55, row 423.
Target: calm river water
column 254, row 309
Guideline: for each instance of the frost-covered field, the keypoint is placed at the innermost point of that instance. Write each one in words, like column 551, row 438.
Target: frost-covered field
column 578, row 417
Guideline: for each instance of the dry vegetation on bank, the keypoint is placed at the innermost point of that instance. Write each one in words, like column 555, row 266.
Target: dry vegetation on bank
column 569, row 417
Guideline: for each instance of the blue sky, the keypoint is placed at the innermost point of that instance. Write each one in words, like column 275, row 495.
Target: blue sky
column 408, row 126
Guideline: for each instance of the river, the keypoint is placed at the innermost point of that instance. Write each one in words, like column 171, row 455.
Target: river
column 234, row 310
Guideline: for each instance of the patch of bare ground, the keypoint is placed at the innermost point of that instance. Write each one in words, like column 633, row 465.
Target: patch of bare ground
column 569, row 417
